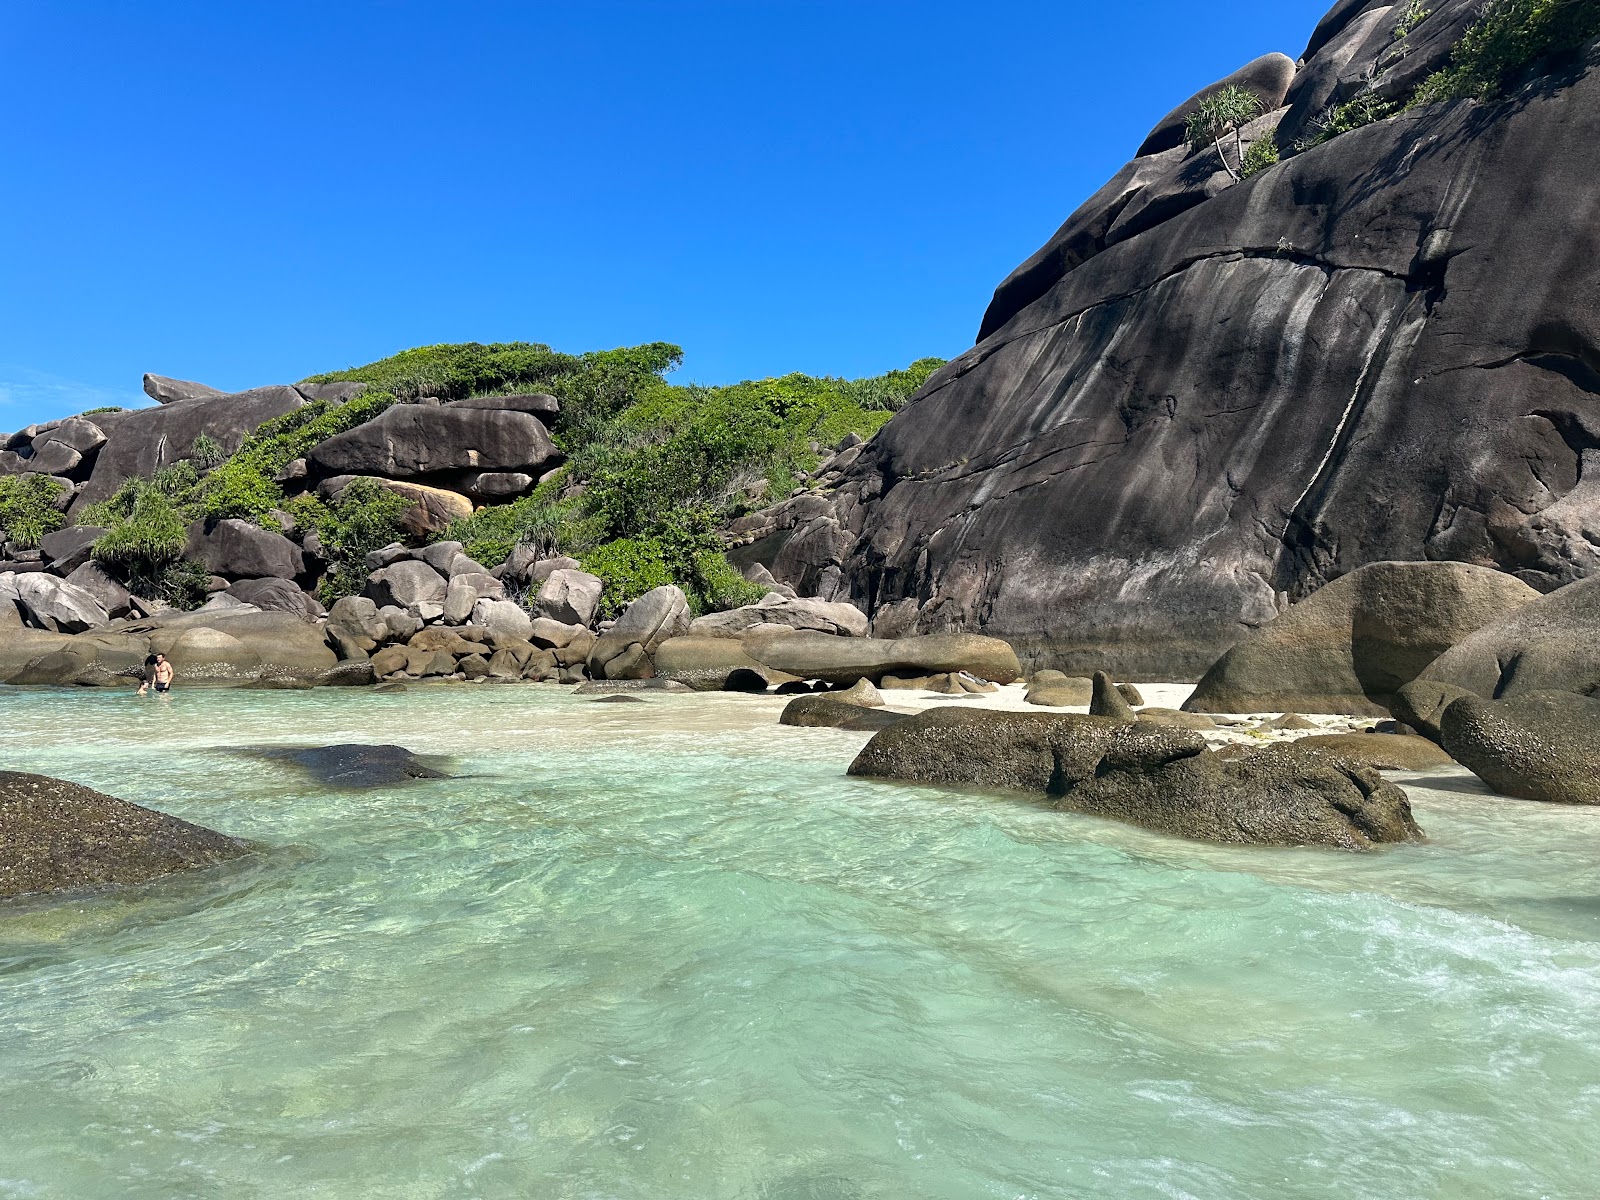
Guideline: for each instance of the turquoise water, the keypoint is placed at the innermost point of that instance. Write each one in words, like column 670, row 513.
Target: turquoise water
column 669, row 950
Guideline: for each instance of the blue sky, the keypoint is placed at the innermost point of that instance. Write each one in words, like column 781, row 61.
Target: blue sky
column 248, row 193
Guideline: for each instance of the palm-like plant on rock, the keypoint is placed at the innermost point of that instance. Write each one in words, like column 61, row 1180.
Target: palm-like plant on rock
column 1225, row 111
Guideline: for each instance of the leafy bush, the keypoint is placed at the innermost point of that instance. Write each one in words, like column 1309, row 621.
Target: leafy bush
column 206, row 452
column 244, row 485
column 104, row 408
column 1353, row 114
column 28, row 508
column 365, row 517
column 144, row 549
column 684, row 550
column 1262, row 154
column 1506, row 43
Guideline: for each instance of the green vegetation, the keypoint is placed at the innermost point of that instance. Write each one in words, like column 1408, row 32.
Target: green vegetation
column 1262, row 154
column 243, row 486
column 104, row 408
column 28, row 509
column 1223, row 112
column 363, row 518
column 1414, row 14
column 1510, row 40
column 1353, row 114
column 144, row 547
column 645, row 489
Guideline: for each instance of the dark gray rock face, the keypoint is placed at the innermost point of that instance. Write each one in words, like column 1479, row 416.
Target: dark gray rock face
column 1552, row 644
column 57, row 836
column 410, row 440
column 1536, row 746
column 535, row 404
column 67, row 549
column 140, row 441
column 237, row 549
column 1381, row 349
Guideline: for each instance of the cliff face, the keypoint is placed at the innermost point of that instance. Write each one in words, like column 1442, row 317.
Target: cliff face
column 1203, row 399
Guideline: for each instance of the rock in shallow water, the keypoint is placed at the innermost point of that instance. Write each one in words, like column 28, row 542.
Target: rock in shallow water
column 57, row 836
column 357, row 766
column 826, row 712
column 1539, row 746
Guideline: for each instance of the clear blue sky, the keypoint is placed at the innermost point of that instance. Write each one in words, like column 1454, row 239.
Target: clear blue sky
column 248, row 192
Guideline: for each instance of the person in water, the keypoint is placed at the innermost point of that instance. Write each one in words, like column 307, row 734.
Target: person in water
column 159, row 673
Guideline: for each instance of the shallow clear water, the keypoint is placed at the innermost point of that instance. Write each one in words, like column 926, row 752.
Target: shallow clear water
column 669, row 950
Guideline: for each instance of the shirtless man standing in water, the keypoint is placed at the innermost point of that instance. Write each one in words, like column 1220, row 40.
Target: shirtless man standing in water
column 161, row 675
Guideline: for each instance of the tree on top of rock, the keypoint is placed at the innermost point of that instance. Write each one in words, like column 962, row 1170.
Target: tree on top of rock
column 1225, row 111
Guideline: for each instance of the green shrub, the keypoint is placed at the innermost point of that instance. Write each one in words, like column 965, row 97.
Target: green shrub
column 1225, row 111
column 365, row 517
column 28, row 508
column 1411, row 16
column 1262, row 154
column 1353, row 114
column 1506, row 43
column 243, row 486
column 144, row 549
column 683, row 549
column 104, row 408
column 206, row 452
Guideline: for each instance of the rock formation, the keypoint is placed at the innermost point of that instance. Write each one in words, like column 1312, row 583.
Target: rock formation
column 1205, row 399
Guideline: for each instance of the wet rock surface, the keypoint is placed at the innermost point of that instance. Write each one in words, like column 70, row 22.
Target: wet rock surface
column 57, row 836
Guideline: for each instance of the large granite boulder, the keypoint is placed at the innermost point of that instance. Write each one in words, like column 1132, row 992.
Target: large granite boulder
column 276, row 595
column 624, row 651
column 164, row 390
column 1267, row 78
column 239, row 646
column 57, row 836
column 706, row 663
column 569, row 596
column 141, row 441
column 1277, row 796
column 410, row 440
column 1380, row 751
column 432, row 511
column 47, row 602
column 536, row 404
column 406, row 584
column 1362, row 354
column 104, row 587
column 502, row 618
column 1535, row 745
column 816, row 616
column 1348, row 647
column 828, row 712
column 236, row 549
column 1552, row 644
column 844, row 660
column 1421, row 705
column 67, row 549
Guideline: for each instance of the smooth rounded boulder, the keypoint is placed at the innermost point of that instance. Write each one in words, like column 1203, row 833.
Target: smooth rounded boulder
column 410, row 440
column 57, row 836
column 1349, row 646
column 844, row 660
column 827, row 712
column 1551, row 644
column 704, row 663
column 404, row 584
column 51, row 603
column 1534, row 746
column 569, row 596
column 236, row 549
column 624, row 650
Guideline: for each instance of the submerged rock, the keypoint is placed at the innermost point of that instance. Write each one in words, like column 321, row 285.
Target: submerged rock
column 1537, row 746
column 827, row 712
column 357, row 766
column 605, row 687
column 57, row 836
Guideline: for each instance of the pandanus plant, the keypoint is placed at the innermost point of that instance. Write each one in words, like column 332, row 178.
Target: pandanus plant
column 1225, row 111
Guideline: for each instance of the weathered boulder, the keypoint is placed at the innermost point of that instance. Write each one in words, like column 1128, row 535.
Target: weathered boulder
column 67, row 549
column 704, row 663
column 569, row 596
column 818, row 616
column 1107, row 701
column 1030, row 752
column 252, row 645
column 1058, row 690
column 357, row 618
column 1421, row 704
column 237, row 549
column 50, row 603
column 535, row 404
column 1267, row 78
column 57, row 836
column 204, row 655
column 624, row 650
column 1535, row 745
column 1256, row 395
column 167, row 391
column 1549, row 645
column 503, row 618
column 1380, row 751
column 1277, row 796
column 99, row 583
column 410, row 440
column 847, row 659
column 335, row 391
column 276, row 595
column 860, row 693
column 464, row 592
column 829, row 712
column 433, row 509
column 1175, row 718
column 141, row 441
column 554, row 635
column 494, row 485
column 404, row 584
column 1348, row 647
